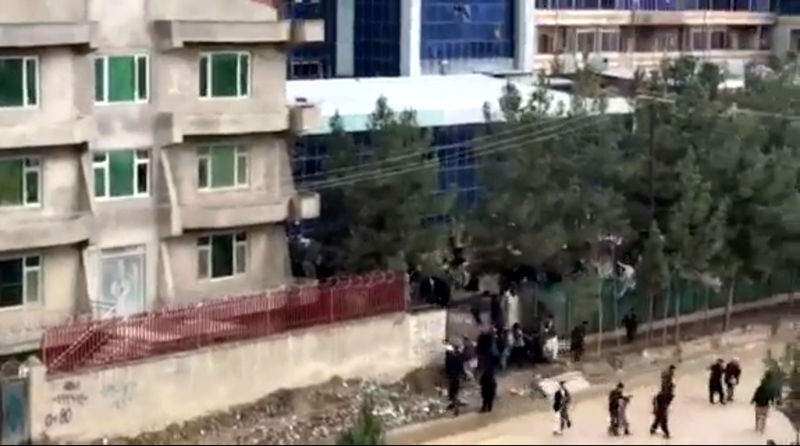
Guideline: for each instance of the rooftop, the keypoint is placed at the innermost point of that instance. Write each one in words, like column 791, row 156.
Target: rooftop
column 438, row 100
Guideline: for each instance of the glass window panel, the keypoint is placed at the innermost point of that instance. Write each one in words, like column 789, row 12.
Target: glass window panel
column 10, row 282
column 10, row 182
column 32, row 261
column 203, row 69
column 11, row 85
column 99, row 82
column 31, row 187
column 222, row 166
column 142, row 77
column 202, row 172
column 121, row 79
column 224, row 75
column 120, row 173
column 221, row 255
column 241, row 257
column 32, row 78
column 141, row 178
column 241, row 169
column 202, row 262
column 99, row 182
column 244, row 74
column 32, row 286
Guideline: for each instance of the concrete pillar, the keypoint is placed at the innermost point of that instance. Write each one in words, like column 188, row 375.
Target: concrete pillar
column 525, row 45
column 345, row 20
column 410, row 32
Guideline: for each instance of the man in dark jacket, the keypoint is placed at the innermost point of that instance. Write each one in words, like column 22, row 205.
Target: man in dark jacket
column 578, row 341
column 617, row 402
column 454, row 368
column 486, row 345
column 561, row 402
column 668, row 381
column 631, row 324
column 489, row 382
column 763, row 397
column 661, row 404
column 732, row 374
column 717, row 370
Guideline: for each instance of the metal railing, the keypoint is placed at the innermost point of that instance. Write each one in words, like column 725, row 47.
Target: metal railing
column 659, row 5
column 121, row 339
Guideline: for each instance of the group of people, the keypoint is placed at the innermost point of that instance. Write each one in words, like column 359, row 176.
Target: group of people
column 723, row 379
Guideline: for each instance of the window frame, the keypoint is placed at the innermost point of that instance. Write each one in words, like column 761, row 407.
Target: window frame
column 37, row 83
column 26, row 169
column 616, row 33
column 25, row 270
column 136, row 99
column 579, row 32
column 106, row 165
column 204, row 155
column 208, row 55
column 239, row 239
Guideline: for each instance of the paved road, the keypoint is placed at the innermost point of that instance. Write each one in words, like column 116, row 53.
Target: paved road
column 692, row 419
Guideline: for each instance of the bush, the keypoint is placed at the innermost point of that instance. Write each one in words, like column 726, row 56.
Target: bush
column 368, row 429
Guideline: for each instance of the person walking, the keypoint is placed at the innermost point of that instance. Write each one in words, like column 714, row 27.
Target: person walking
column 578, row 341
column 762, row 398
column 454, row 368
column 518, row 353
column 617, row 406
column 631, row 324
column 489, row 383
column 551, row 338
column 661, row 404
column 511, row 306
column 733, row 372
column 717, row 370
column 668, row 380
column 561, row 402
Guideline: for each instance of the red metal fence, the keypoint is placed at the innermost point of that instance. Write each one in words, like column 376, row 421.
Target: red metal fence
column 111, row 341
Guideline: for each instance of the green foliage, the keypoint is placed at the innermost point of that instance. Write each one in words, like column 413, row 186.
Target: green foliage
column 375, row 217
column 368, row 429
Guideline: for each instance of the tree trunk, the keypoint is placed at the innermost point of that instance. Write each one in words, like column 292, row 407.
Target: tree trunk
column 600, row 320
column 616, row 315
column 651, row 315
column 706, row 311
column 665, row 328
column 729, row 305
column 678, row 318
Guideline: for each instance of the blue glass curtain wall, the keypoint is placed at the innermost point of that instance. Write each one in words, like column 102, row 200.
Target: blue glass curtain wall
column 659, row 5
column 376, row 38
column 789, row 6
column 467, row 29
column 318, row 59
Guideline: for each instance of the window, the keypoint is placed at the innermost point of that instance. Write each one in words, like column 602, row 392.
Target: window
column 20, row 280
column 222, row 167
column 719, row 40
column 121, row 79
column 586, row 41
column 19, row 181
column 698, row 40
column 545, row 43
column 221, row 255
column 609, row 41
column 667, row 42
column 19, row 81
column 224, row 75
column 123, row 173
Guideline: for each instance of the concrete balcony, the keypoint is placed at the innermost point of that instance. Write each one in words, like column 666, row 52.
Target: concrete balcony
column 304, row 118
column 582, row 17
column 44, row 231
column 37, row 23
column 610, row 17
column 304, row 31
column 305, row 205
column 38, row 133
column 212, row 11
column 176, row 126
column 178, row 33
column 236, row 213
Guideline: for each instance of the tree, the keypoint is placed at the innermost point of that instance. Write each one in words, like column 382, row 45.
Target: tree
column 368, row 429
column 652, row 272
column 382, row 195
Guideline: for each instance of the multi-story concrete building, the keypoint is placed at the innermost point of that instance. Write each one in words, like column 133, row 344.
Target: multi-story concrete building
column 143, row 156
column 629, row 34
column 786, row 36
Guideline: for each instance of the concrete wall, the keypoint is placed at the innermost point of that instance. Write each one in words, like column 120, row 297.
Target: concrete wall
column 781, row 34
column 211, row 10
column 42, row 11
column 152, row 394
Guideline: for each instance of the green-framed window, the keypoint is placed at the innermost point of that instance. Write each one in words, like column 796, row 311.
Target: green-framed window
column 221, row 255
column 121, row 173
column 20, row 280
column 20, row 181
column 224, row 74
column 222, row 166
column 19, row 82
column 121, row 79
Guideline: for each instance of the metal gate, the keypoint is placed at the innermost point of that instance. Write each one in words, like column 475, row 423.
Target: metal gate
column 14, row 407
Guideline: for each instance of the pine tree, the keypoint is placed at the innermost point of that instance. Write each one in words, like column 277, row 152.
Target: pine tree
column 652, row 272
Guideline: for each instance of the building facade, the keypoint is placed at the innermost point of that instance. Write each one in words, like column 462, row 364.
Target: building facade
column 787, row 30
column 143, row 156
column 630, row 34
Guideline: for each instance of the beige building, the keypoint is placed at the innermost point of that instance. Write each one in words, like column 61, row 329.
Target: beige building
column 624, row 40
column 143, row 156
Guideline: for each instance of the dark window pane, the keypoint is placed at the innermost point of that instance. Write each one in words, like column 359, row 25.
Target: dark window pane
column 244, row 74
column 99, row 83
column 120, row 171
column 143, row 73
column 121, row 79
column 10, row 282
column 31, row 79
column 141, row 178
column 203, row 68
column 32, row 187
column 10, row 182
column 224, row 75
column 222, row 166
column 221, row 255
column 11, row 86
